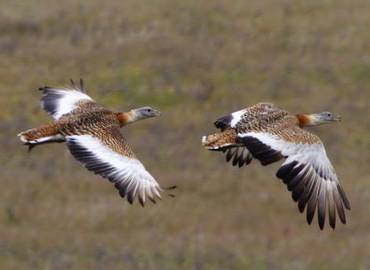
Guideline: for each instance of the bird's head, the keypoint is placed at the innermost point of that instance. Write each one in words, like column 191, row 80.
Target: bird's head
column 145, row 112
column 325, row 117
column 316, row 119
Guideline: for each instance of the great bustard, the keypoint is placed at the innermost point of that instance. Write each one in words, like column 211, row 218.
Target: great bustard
column 269, row 134
column 92, row 135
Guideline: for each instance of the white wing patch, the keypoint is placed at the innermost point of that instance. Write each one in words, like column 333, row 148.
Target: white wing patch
column 236, row 117
column 313, row 154
column 59, row 101
column 286, row 148
column 128, row 174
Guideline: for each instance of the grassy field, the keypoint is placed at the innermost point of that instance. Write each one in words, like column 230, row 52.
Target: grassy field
column 195, row 61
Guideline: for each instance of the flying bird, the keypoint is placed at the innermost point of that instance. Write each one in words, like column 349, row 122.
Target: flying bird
column 269, row 134
column 92, row 135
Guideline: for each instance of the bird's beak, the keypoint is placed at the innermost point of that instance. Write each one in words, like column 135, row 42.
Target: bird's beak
column 337, row 117
column 157, row 112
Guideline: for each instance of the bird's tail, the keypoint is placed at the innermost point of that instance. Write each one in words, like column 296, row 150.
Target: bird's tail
column 220, row 141
column 40, row 135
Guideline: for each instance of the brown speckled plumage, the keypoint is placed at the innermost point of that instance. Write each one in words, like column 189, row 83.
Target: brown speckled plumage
column 42, row 131
column 101, row 124
column 222, row 139
column 85, row 107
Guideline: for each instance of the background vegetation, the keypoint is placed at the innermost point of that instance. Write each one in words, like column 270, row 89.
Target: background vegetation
column 196, row 61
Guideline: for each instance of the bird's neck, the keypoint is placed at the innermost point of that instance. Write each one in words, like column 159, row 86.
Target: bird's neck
column 305, row 120
column 126, row 118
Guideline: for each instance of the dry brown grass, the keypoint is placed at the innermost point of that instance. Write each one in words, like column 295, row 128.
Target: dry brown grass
column 195, row 60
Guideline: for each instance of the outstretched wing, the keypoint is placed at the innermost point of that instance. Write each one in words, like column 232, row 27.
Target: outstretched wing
column 58, row 102
column 307, row 171
column 106, row 153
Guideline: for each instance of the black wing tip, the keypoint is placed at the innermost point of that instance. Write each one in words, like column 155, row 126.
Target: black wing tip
column 309, row 217
column 170, row 187
column 130, row 198
column 321, row 223
column 332, row 225
column 301, row 207
column 141, row 201
column 235, row 160
column 321, row 220
column 80, row 87
column 44, row 88
column 229, row 154
column 343, row 197
column 123, row 192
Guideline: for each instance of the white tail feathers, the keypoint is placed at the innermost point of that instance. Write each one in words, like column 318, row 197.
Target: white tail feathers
column 22, row 137
column 31, row 143
column 55, row 138
column 40, row 135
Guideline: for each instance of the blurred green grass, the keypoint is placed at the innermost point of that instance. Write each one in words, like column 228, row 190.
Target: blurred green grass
column 196, row 61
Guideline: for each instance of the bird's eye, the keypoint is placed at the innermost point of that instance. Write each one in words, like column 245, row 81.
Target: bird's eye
column 148, row 110
column 329, row 114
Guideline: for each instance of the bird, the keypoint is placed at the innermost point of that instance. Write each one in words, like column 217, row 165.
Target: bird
column 270, row 134
column 92, row 135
